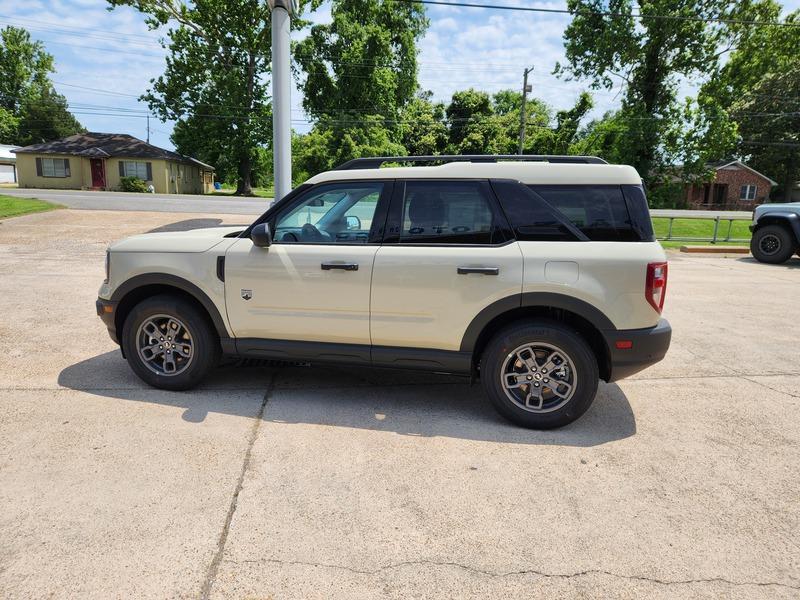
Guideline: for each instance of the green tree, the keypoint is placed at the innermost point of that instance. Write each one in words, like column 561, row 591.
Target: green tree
column 423, row 129
column 31, row 111
column 648, row 55
column 723, row 124
column 216, row 79
column 364, row 61
column 44, row 117
column 769, row 124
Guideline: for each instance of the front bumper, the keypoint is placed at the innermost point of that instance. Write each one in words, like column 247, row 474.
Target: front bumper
column 632, row 350
column 107, row 311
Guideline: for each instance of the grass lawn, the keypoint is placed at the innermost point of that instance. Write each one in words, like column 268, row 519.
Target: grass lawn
column 700, row 229
column 11, row 206
column 257, row 191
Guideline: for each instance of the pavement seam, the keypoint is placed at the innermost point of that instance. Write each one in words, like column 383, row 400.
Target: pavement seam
column 213, row 568
column 493, row 574
column 769, row 387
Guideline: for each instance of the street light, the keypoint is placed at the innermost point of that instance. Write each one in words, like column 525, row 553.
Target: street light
column 282, row 10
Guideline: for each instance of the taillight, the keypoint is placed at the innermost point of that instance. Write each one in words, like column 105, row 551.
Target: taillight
column 655, row 289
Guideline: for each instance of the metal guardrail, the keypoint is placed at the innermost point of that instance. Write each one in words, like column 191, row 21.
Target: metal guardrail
column 705, row 215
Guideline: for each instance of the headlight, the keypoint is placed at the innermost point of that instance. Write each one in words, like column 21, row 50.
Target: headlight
column 108, row 265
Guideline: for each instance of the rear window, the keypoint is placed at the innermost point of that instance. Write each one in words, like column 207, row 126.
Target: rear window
column 598, row 211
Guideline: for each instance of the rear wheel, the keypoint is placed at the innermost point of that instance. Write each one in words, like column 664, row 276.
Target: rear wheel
column 539, row 374
column 773, row 244
column 169, row 343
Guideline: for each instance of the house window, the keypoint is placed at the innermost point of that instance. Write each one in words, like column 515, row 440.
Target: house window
column 130, row 168
column 748, row 193
column 52, row 167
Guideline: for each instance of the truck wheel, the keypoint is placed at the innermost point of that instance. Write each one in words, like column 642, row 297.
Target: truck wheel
column 772, row 244
column 539, row 374
column 169, row 343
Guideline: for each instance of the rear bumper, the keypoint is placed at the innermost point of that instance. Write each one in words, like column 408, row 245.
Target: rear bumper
column 107, row 311
column 647, row 347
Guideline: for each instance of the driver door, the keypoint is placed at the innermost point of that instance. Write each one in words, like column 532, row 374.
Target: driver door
column 313, row 282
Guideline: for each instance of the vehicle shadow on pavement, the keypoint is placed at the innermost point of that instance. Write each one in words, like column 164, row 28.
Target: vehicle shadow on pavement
column 792, row 263
column 402, row 402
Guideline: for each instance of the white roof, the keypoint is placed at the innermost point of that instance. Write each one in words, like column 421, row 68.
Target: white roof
column 5, row 151
column 526, row 172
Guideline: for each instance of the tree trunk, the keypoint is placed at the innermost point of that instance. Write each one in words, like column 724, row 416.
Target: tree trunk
column 244, row 186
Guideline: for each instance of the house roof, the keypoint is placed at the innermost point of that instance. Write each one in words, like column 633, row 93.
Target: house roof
column 6, row 156
column 106, row 145
column 721, row 164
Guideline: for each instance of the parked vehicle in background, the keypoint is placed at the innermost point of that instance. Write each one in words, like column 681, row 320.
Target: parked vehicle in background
column 776, row 232
column 538, row 275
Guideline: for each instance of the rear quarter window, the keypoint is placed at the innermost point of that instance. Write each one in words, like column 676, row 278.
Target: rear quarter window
column 600, row 212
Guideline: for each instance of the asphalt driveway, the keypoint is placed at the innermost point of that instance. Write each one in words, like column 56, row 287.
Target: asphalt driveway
column 308, row 482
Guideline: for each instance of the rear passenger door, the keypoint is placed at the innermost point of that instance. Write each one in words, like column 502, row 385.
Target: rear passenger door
column 448, row 254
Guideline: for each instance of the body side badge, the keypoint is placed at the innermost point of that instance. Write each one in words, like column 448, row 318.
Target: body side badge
column 247, row 294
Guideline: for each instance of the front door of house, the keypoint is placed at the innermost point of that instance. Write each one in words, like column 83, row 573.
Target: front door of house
column 98, row 173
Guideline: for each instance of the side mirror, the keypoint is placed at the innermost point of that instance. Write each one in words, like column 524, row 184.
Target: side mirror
column 353, row 223
column 261, row 235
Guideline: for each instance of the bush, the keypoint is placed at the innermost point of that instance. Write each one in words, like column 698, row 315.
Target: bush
column 133, row 184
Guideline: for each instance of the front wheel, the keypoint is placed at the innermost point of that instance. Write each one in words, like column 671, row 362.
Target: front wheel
column 539, row 374
column 772, row 244
column 169, row 343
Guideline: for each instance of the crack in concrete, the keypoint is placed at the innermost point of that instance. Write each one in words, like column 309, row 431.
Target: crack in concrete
column 769, row 387
column 501, row 574
column 213, row 568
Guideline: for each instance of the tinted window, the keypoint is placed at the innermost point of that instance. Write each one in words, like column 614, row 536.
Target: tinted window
column 531, row 217
column 639, row 212
column 599, row 211
column 446, row 212
column 336, row 213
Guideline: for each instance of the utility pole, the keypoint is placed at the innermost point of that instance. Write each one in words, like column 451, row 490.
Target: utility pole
column 522, row 113
column 148, row 128
column 281, row 86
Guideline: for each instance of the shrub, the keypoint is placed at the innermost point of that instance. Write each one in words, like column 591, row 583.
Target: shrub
column 133, row 184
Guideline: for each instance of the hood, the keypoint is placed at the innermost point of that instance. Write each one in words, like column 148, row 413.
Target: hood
column 785, row 206
column 196, row 240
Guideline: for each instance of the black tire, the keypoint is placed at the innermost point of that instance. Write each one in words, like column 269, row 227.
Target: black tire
column 773, row 244
column 204, row 343
column 549, row 334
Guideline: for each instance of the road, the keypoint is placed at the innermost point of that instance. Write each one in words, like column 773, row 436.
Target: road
column 88, row 200
column 313, row 482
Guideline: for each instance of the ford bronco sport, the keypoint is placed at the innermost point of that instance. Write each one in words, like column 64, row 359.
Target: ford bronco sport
column 538, row 275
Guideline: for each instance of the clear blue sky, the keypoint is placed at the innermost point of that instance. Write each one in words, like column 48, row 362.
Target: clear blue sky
column 115, row 55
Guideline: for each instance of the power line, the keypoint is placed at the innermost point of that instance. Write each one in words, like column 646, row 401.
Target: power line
column 599, row 13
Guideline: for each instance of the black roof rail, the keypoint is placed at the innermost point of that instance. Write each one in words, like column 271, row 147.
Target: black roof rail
column 375, row 162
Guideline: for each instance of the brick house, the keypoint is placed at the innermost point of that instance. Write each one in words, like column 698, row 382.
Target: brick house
column 735, row 187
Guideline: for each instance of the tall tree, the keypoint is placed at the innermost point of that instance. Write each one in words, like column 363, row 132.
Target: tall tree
column 647, row 54
column 31, row 111
column 364, row 61
column 741, row 101
column 216, row 74
column 357, row 74
column 769, row 123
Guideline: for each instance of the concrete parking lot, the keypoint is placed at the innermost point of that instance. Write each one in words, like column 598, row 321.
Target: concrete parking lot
column 297, row 482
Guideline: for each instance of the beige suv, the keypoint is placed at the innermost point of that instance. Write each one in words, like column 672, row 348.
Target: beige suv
column 539, row 275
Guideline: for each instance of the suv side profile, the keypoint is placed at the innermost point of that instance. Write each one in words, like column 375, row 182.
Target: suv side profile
column 540, row 275
column 776, row 232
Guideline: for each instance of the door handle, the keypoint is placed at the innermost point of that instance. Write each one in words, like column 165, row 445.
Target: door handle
column 479, row 270
column 343, row 266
